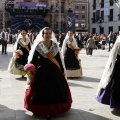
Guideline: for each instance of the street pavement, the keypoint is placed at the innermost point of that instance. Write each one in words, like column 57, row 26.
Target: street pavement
column 84, row 106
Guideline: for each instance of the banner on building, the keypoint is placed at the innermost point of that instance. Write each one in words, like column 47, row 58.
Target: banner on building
column 26, row 23
column 32, row 4
column 106, row 9
column 97, row 15
column 71, row 21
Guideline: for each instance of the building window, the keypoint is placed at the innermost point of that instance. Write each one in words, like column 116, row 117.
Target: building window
column 83, row 7
column 83, row 16
column 118, row 16
column 110, row 29
column 93, row 19
column 94, row 4
column 111, row 2
column 118, row 28
column 111, row 15
column 93, row 30
column 76, row 7
column 102, row 15
column 77, row 16
column 101, row 30
column 102, row 3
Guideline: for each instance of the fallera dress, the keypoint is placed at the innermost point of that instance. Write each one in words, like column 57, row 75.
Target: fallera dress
column 24, row 50
column 49, row 94
column 72, row 62
column 16, row 65
column 111, row 94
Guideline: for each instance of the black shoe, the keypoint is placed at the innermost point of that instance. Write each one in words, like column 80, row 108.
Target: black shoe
column 5, row 53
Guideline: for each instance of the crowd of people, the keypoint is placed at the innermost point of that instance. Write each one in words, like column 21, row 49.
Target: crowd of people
column 48, row 62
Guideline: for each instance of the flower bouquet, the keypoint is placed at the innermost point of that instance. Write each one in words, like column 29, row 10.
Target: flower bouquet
column 30, row 70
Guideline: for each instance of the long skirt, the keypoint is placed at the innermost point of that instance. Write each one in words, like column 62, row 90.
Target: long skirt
column 49, row 94
column 111, row 94
column 72, row 64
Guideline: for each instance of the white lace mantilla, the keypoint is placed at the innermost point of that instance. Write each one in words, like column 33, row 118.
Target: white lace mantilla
column 53, row 49
column 23, row 43
column 67, row 42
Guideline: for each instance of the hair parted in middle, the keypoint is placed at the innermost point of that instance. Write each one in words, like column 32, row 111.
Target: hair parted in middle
column 46, row 28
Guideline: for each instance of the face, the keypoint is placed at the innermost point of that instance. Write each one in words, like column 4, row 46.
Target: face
column 47, row 34
column 70, row 34
column 23, row 33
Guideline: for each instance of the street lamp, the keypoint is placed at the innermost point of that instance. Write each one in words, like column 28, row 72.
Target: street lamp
column 100, row 21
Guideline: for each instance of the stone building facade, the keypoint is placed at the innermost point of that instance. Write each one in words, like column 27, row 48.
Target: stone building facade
column 54, row 18
column 104, row 16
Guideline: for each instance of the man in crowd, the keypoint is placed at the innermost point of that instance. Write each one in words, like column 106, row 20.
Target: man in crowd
column 79, row 38
column 4, row 35
column 111, row 40
column 30, row 35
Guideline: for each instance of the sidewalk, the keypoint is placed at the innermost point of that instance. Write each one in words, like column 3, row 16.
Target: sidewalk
column 83, row 90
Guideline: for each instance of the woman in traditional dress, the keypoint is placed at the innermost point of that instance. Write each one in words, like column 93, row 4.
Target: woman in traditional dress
column 23, row 44
column 109, row 87
column 49, row 93
column 70, row 52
